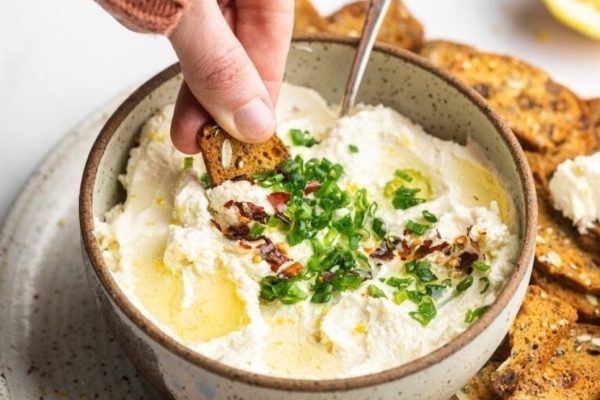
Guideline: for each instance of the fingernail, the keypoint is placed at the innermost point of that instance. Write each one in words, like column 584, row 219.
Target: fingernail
column 255, row 121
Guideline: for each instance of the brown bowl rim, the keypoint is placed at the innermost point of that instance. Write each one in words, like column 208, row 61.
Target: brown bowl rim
column 308, row 385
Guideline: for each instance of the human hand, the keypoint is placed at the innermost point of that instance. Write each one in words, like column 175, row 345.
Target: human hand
column 232, row 55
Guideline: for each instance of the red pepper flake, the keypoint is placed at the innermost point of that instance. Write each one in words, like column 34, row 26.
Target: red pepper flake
column 405, row 250
column 293, row 270
column 383, row 252
column 272, row 255
column 279, row 200
column 326, row 276
column 251, row 211
column 229, row 204
column 245, row 245
column 237, row 232
column 426, row 248
column 466, row 260
column 311, row 187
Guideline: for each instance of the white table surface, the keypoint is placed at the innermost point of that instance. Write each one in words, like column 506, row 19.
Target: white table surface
column 60, row 60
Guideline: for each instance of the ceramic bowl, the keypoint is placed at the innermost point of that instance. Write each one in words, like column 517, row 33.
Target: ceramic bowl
column 395, row 78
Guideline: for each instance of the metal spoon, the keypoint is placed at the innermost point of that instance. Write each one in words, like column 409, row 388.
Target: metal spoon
column 375, row 14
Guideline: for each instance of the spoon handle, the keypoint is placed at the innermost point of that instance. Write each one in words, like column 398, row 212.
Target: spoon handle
column 375, row 14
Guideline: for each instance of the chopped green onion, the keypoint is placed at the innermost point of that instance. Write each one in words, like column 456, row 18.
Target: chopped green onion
column 379, row 228
column 426, row 311
column 352, row 148
column 434, row 290
column 256, row 231
column 429, row 217
column 473, row 315
column 424, row 274
column 405, row 198
column 302, row 138
column 400, row 297
column 188, row 163
column 402, row 174
column 486, row 284
column 375, row 292
column 285, row 290
column 411, row 266
column 481, row 266
column 416, row 228
column 415, row 296
column 399, row 283
column 464, row 284
column 205, row 179
column 446, row 282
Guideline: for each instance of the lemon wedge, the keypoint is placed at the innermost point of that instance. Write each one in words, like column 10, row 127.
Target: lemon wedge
column 580, row 15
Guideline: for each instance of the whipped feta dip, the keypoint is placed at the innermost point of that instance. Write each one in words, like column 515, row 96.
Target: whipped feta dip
column 575, row 190
column 419, row 231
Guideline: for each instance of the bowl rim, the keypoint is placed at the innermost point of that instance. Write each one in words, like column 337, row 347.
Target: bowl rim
column 102, row 272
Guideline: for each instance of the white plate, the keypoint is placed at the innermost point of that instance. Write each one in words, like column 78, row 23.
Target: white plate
column 53, row 342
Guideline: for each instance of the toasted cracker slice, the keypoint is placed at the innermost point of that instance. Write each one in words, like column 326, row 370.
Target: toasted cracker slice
column 399, row 27
column 541, row 323
column 308, row 19
column 480, row 386
column 557, row 253
column 541, row 112
column 573, row 372
column 587, row 305
column 227, row 158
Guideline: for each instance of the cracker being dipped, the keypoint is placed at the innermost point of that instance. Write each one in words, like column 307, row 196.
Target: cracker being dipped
column 227, row 158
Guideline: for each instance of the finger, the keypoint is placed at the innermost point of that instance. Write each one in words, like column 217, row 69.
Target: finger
column 272, row 22
column 188, row 118
column 220, row 74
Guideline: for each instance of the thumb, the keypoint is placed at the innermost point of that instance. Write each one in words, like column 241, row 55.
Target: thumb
column 220, row 75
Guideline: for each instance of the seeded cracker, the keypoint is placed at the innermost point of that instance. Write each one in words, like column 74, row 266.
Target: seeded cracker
column 227, row 158
column 399, row 27
column 573, row 372
column 541, row 112
column 587, row 305
column 541, row 323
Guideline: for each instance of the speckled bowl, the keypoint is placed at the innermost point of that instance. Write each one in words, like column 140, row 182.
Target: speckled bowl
column 442, row 105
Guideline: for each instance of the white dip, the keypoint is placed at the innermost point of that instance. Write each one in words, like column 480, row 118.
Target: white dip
column 575, row 190
column 204, row 289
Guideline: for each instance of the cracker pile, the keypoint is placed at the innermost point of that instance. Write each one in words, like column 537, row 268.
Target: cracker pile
column 554, row 344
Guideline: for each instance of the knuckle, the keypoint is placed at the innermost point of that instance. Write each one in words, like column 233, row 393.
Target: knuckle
column 222, row 72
